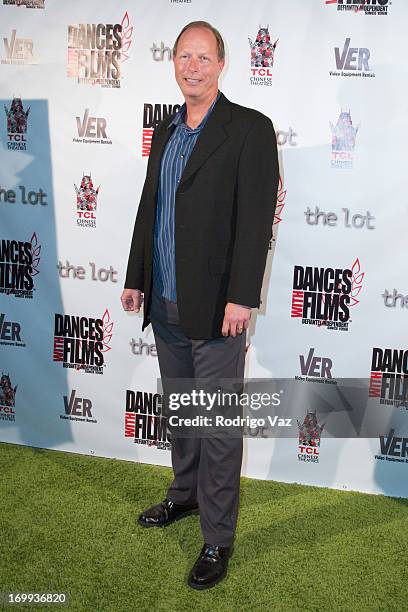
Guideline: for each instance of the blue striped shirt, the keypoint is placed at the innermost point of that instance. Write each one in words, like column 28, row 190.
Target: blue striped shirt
column 174, row 159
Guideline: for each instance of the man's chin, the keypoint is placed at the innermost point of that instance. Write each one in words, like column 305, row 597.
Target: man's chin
column 191, row 91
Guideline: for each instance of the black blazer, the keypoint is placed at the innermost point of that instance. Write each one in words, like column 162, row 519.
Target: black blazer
column 225, row 205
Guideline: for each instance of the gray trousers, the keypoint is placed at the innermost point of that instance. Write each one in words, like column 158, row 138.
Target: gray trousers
column 207, row 469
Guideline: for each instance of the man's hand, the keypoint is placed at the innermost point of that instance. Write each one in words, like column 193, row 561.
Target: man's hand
column 131, row 299
column 236, row 319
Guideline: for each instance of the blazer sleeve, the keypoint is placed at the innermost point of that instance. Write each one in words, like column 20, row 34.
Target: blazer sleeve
column 135, row 268
column 256, row 192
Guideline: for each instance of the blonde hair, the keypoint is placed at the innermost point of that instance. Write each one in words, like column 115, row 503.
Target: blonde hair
column 208, row 26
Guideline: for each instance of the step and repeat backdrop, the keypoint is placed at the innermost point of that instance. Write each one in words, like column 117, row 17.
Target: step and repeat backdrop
column 83, row 85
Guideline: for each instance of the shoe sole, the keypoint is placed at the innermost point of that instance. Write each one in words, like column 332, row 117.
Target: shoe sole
column 202, row 587
column 181, row 516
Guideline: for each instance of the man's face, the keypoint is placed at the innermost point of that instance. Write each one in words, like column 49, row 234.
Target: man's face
column 196, row 64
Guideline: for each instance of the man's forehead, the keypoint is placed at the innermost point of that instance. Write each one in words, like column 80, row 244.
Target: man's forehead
column 198, row 36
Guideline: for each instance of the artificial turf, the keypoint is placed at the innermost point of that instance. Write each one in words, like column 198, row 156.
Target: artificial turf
column 67, row 523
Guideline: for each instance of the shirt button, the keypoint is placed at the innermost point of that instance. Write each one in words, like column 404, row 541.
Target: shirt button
column 182, row 156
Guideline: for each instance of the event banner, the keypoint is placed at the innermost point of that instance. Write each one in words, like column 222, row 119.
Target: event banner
column 83, row 87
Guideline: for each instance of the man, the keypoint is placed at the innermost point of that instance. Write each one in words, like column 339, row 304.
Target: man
column 198, row 255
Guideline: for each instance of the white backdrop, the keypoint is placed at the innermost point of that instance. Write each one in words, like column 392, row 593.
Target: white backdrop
column 331, row 63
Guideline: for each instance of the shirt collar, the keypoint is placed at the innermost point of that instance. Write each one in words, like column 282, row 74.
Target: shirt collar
column 179, row 118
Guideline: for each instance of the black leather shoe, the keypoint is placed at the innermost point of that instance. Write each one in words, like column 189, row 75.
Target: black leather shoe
column 210, row 567
column 165, row 513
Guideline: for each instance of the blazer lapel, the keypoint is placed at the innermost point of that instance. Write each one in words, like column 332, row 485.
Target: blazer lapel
column 211, row 138
column 160, row 141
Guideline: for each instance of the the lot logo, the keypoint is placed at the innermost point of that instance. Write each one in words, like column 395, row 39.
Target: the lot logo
column 17, row 125
column 35, row 4
column 95, row 273
column 309, row 438
column 393, row 448
column 286, row 137
column 7, row 398
column 19, row 263
column 18, row 50
column 331, row 219
column 315, row 369
column 152, row 115
column 81, row 342
column 96, row 52
column 91, row 130
column 159, row 53
column 144, row 420
column 10, row 332
column 392, row 299
column 368, row 7
column 280, row 204
column 8, row 196
column 86, row 201
column 262, row 57
column 77, row 409
column 343, row 141
column 143, row 348
column 324, row 296
column 389, row 376
column 352, row 61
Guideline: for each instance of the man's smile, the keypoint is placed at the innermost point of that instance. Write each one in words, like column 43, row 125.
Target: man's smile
column 192, row 81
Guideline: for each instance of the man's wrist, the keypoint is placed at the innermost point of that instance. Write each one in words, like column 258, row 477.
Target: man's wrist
column 241, row 305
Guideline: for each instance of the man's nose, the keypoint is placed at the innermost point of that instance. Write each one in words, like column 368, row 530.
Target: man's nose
column 193, row 64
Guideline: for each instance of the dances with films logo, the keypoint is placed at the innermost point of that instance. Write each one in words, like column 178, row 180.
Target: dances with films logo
column 324, row 296
column 309, row 438
column 82, row 342
column 280, row 202
column 152, row 115
column 18, row 51
column 365, row 7
column 97, row 51
column 352, row 61
column 19, row 263
column 17, row 117
column 280, row 205
column 144, row 419
column 389, row 376
column 343, row 141
column 86, row 201
column 91, row 130
column 262, row 57
column 7, row 398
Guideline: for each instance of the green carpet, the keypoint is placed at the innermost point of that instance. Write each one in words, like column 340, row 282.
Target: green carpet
column 67, row 523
